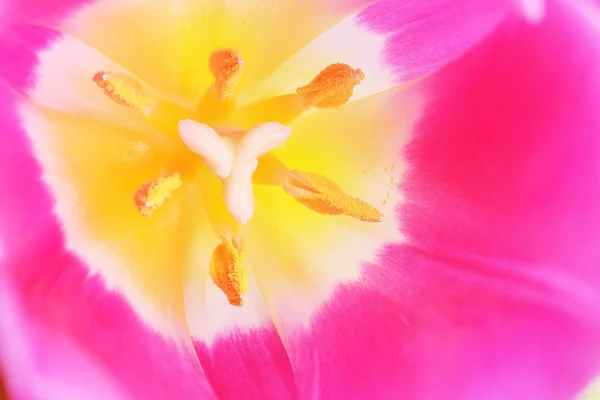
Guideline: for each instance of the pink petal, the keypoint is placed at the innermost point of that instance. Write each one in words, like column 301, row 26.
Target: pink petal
column 532, row 10
column 508, row 150
column 494, row 295
column 40, row 362
column 391, row 41
column 18, row 53
column 58, row 295
column 248, row 365
column 424, row 35
column 36, row 11
column 461, row 312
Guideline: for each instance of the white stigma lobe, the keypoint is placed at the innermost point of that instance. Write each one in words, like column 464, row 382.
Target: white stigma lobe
column 234, row 159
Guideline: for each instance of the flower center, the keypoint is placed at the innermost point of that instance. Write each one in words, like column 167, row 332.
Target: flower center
column 209, row 139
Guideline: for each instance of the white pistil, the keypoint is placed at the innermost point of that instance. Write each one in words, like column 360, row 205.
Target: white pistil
column 216, row 151
column 237, row 191
column 234, row 158
column 261, row 139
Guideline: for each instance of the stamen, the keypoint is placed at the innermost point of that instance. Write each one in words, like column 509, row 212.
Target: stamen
column 152, row 194
column 228, row 270
column 226, row 66
column 219, row 102
column 325, row 197
column 333, row 86
column 125, row 93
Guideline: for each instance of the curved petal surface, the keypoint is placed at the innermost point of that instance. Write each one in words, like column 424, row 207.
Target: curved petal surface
column 17, row 49
column 500, row 220
column 36, row 11
column 391, row 41
column 62, row 371
column 494, row 293
column 300, row 256
column 248, row 365
column 173, row 40
column 422, row 36
column 58, row 294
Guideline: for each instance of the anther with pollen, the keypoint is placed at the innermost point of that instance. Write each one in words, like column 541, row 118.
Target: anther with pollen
column 226, row 66
column 326, row 197
column 219, row 102
column 332, row 87
column 153, row 193
column 124, row 91
column 228, row 270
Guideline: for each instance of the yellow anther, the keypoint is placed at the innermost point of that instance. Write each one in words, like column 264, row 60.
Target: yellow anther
column 325, row 197
column 333, row 86
column 123, row 90
column 226, row 66
column 152, row 194
column 229, row 272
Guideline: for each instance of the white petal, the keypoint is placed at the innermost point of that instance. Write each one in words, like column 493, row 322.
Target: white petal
column 237, row 191
column 216, row 151
column 260, row 140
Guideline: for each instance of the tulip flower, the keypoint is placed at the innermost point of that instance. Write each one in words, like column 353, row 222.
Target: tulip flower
column 299, row 199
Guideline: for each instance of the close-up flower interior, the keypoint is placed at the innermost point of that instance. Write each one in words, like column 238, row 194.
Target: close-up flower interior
column 299, row 199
